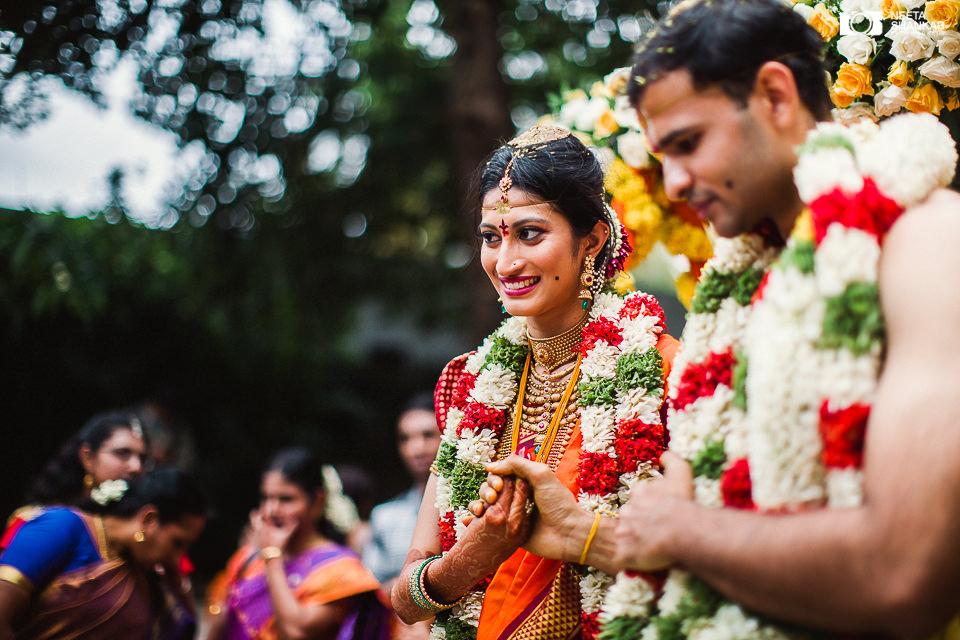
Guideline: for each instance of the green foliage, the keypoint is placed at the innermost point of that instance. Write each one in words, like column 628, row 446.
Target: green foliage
column 599, row 391
column 466, row 481
column 446, row 458
column 853, row 320
column 739, row 382
column 799, row 254
column 622, row 627
column 709, row 461
column 715, row 287
column 640, row 370
column 512, row 356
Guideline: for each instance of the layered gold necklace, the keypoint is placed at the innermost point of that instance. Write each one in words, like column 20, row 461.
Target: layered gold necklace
column 547, row 405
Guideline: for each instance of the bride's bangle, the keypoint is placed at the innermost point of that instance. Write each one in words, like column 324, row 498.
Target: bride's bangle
column 418, row 588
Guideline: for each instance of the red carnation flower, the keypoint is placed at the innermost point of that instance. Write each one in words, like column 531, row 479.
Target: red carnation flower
column 461, row 391
column 643, row 304
column 843, row 433
column 637, row 428
column 600, row 330
column 591, row 625
column 448, row 535
column 702, row 378
column 656, row 579
column 867, row 210
column 599, row 473
column 477, row 416
column 735, row 485
column 633, row 453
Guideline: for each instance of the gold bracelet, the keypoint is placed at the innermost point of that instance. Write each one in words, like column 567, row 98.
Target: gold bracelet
column 271, row 553
column 590, row 536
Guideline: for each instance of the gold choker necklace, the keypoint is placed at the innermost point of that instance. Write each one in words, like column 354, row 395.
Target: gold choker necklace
column 550, row 353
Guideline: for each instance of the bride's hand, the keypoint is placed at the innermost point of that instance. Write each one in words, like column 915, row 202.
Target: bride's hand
column 557, row 514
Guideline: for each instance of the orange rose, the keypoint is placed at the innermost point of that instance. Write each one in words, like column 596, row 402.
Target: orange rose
column 824, row 22
column 853, row 81
column 900, row 74
column 942, row 14
column 606, row 124
column 892, row 10
column 925, row 99
column 953, row 101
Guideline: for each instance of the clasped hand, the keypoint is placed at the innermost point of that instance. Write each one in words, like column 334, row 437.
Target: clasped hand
column 643, row 530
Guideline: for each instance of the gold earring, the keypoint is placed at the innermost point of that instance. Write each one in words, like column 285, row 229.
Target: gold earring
column 139, row 537
column 586, row 283
column 87, row 480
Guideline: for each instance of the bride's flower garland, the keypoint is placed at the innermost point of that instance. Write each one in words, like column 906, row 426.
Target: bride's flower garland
column 621, row 390
column 814, row 341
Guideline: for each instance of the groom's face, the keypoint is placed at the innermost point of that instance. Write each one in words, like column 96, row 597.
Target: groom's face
column 719, row 154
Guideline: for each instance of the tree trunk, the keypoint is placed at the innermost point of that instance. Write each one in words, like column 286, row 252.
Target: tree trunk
column 479, row 119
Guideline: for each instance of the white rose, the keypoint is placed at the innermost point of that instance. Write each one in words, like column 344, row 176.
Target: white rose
column 570, row 112
column 889, row 100
column 858, row 6
column 590, row 113
column 632, row 147
column 804, row 10
column 625, row 114
column 948, row 42
column 942, row 70
column 854, row 113
column 857, row 47
column 910, row 5
column 909, row 41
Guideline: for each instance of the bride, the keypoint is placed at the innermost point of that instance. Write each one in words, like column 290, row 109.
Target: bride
column 574, row 379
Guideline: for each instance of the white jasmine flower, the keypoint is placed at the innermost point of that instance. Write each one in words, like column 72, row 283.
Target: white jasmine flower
column 593, row 586
column 598, row 428
column 844, row 488
column 675, row 589
column 606, row 304
column 514, row 330
column 601, row 361
column 109, row 491
column 478, row 448
column 819, row 172
column 454, row 416
column 444, row 494
column 495, row 386
column 629, row 596
column 469, row 608
column 845, row 256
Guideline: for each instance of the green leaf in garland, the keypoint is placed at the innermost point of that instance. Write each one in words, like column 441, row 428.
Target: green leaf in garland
column 600, row 391
column 715, row 287
column 740, row 380
column 820, row 140
column 799, row 254
column 853, row 320
column 746, row 285
column 446, row 458
column 636, row 370
column 622, row 627
column 702, row 600
column 460, row 630
column 512, row 356
column 465, row 482
column 710, row 460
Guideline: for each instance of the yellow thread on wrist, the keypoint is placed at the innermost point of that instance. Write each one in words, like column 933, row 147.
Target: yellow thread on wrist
column 590, row 536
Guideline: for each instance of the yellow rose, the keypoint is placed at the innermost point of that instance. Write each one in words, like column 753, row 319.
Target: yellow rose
column 624, row 283
column 942, row 14
column 606, row 124
column 900, row 74
column 853, row 81
column 686, row 285
column 575, row 94
column 892, row 10
column 824, row 22
column 925, row 99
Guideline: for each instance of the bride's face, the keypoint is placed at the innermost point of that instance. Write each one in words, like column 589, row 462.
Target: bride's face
column 533, row 260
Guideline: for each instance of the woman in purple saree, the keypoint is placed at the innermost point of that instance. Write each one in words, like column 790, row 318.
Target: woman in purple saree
column 291, row 581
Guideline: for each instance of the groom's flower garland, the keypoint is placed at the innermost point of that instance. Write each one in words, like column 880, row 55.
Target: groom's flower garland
column 814, row 340
column 621, row 390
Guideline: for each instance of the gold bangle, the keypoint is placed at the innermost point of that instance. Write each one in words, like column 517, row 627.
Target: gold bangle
column 590, row 536
column 271, row 553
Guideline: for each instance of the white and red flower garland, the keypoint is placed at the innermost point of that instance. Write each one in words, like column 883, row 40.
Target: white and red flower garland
column 621, row 391
column 811, row 346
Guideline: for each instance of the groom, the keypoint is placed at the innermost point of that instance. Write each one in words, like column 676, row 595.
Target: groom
column 727, row 90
